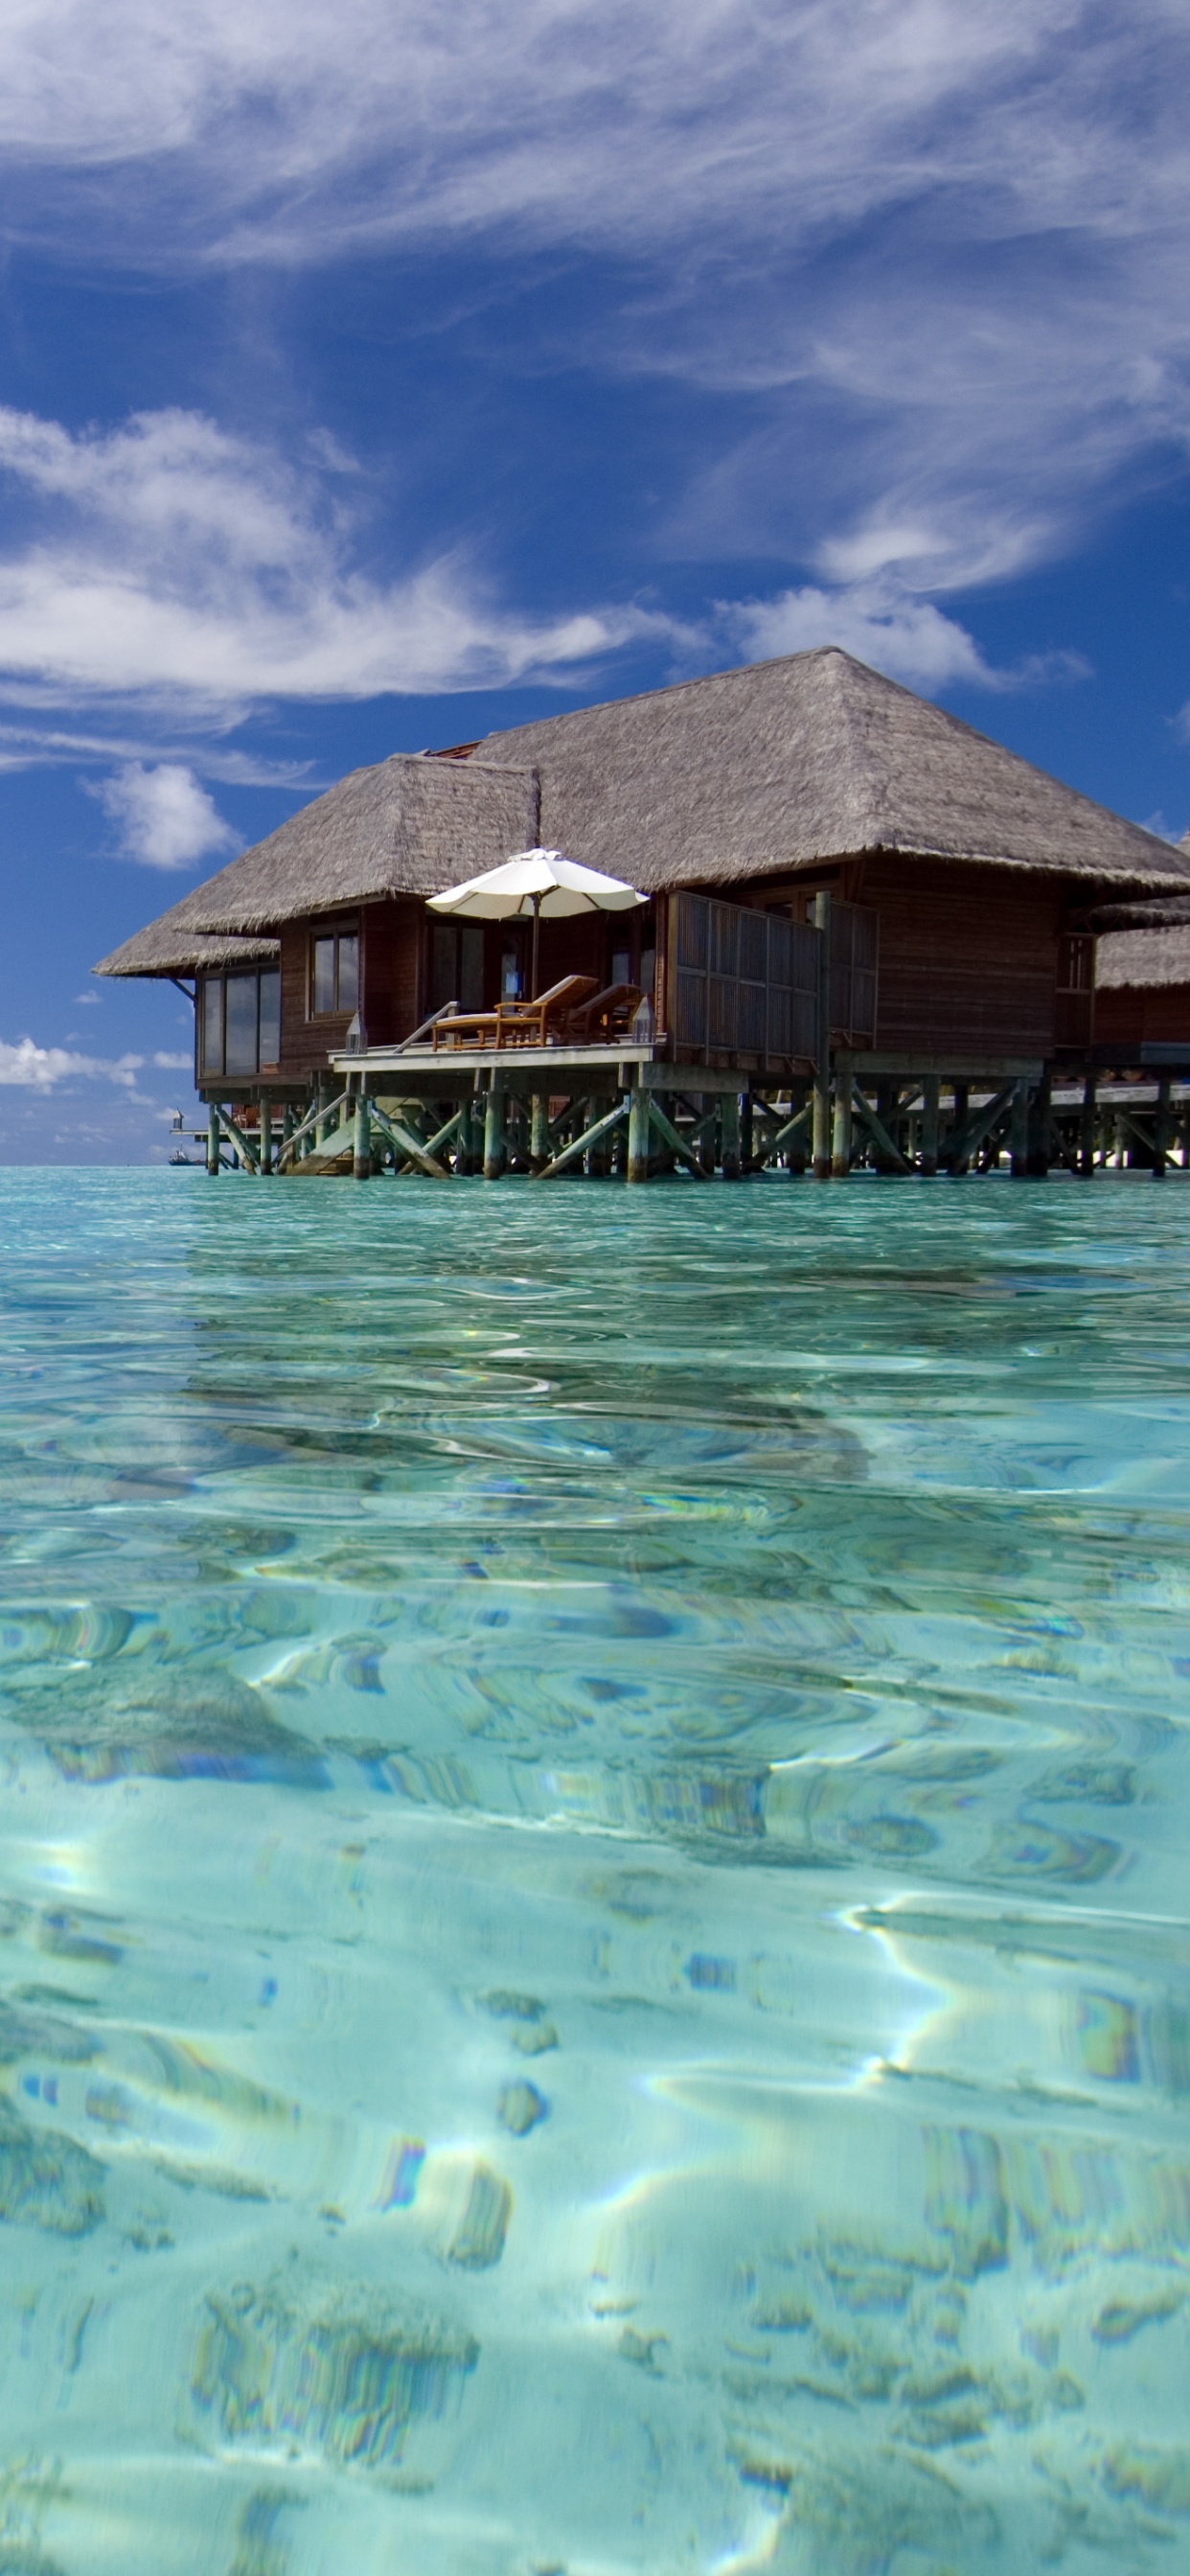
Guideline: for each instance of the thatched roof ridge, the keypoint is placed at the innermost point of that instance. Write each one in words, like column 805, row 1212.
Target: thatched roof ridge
column 1143, row 957
column 1149, row 912
column 810, row 757
column 408, row 826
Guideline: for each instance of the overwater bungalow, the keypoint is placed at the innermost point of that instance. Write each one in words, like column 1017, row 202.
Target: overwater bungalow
column 1142, row 985
column 868, row 927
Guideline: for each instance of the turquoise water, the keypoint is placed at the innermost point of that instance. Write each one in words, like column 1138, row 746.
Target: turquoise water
column 593, row 1957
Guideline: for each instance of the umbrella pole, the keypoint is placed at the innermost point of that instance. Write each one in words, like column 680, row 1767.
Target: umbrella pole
column 536, row 942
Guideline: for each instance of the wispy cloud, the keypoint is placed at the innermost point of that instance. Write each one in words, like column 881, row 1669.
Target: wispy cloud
column 163, row 818
column 170, row 561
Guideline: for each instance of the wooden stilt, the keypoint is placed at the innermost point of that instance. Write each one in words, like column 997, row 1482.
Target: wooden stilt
column 1161, row 1128
column 539, row 1130
column 746, row 1123
column 1086, row 1127
column 729, row 1133
column 361, row 1156
column 213, row 1163
column 930, row 1095
column 1020, row 1129
column 493, row 1133
column 321, row 1131
column 950, row 1159
column 1040, row 1119
column 841, row 1138
column 266, row 1137
column 638, row 1134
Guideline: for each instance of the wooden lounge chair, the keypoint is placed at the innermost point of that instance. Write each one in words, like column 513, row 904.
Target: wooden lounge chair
column 607, row 1015
column 543, row 1022
column 464, row 1029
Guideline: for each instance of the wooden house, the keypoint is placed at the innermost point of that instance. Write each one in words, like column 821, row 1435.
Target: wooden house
column 1142, row 986
column 961, row 882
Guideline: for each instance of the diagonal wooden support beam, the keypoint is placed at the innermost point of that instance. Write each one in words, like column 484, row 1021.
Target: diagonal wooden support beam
column 960, row 1148
column 582, row 1144
column 669, row 1136
column 409, row 1145
column 878, row 1131
column 794, row 1126
column 432, row 1146
column 238, row 1141
column 324, row 1110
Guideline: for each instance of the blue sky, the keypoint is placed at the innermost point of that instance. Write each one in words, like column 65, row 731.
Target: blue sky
column 378, row 374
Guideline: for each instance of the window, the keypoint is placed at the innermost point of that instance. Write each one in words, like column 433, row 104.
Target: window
column 240, row 1022
column 456, row 965
column 334, row 973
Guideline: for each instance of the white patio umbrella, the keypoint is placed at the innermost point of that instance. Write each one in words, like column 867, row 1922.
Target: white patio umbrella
column 534, row 883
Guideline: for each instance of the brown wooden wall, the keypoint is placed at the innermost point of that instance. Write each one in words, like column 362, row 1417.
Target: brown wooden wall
column 968, row 955
column 1133, row 1015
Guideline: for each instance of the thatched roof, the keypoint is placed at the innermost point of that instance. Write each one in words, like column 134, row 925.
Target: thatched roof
column 171, row 946
column 1143, row 957
column 1148, row 912
column 743, row 775
column 808, row 758
column 409, row 826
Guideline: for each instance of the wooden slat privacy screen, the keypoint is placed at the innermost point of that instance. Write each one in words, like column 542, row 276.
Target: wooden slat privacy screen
column 855, row 955
column 745, row 982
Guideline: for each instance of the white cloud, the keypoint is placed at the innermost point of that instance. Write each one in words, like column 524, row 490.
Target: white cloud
column 26, row 1067
column 174, row 1063
column 165, row 819
column 172, row 561
column 909, row 638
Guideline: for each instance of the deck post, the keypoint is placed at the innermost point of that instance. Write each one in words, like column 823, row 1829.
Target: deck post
column 930, row 1094
column 794, row 1150
column 747, row 1138
column 962, row 1112
column 841, row 1141
column 1020, row 1128
column 821, row 913
column 539, row 1130
column 266, row 1138
column 638, row 1134
column 729, row 1133
column 1039, row 1128
column 361, row 1155
column 707, row 1141
column 493, row 1132
column 322, row 1096
column 1086, row 1127
column 821, row 1149
column 1161, row 1128
column 212, row 1140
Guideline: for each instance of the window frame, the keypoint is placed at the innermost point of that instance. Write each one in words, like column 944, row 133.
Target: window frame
column 220, row 979
column 336, row 931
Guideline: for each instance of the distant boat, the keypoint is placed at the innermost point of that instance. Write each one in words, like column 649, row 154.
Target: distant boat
column 194, row 1161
